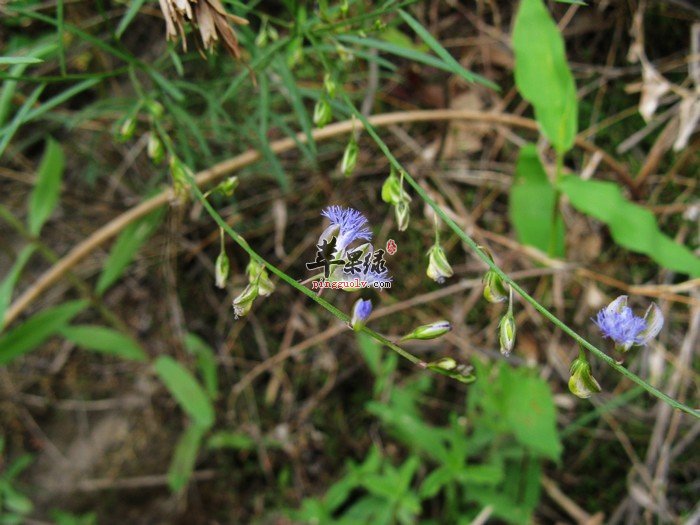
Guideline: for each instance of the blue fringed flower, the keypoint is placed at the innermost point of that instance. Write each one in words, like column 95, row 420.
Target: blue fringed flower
column 351, row 225
column 617, row 322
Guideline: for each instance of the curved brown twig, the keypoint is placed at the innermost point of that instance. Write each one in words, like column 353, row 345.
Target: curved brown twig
column 204, row 177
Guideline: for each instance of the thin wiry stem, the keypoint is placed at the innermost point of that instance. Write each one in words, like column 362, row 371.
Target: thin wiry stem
column 491, row 264
column 290, row 280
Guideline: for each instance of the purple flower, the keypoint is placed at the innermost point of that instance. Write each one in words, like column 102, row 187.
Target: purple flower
column 360, row 312
column 617, row 322
column 348, row 224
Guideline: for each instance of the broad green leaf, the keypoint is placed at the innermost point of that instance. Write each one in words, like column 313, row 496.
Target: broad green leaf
column 532, row 205
column 20, row 60
column 440, row 51
column 125, row 248
column 186, row 391
column 8, row 284
column 542, row 74
column 631, row 226
column 182, row 464
column 16, row 501
column 206, row 363
column 44, row 196
column 234, row 440
column 530, row 413
column 37, row 329
column 105, row 340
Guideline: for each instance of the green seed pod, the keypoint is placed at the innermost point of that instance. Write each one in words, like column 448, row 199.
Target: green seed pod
column 438, row 267
column 221, row 269
column 323, row 113
column 127, row 129
column 244, row 301
column 228, row 187
column 155, row 149
column 329, row 85
column 582, row 383
column 402, row 215
column 506, row 333
column 494, row 288
column 347, row 165
column 429, row 331
column 391, row 189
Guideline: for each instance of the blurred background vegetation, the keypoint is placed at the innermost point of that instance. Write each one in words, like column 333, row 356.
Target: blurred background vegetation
column 130, row 394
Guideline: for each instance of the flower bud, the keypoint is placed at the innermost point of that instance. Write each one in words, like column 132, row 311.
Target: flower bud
column 581, row 383
column 494, row 289
column 429, row 331
column 506, row 333
column 323, row 113
column 244, row 301
column 349, row 161
column 227, row 187
column 360, row 312
column 391, row 189
column 127, row 129
column 402, row 215
column 155, row 108
column 258, row 276
column 449, row 367
column 329, row 85
column 178, row 171
column 438, row 267
column 221, row 268
column 155, row 148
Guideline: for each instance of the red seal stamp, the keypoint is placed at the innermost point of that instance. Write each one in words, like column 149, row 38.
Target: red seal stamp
column 391, row 247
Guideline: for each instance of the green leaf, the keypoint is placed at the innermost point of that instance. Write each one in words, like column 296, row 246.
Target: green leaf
column 542, row 74
column 44, row 196
column 105, row 340
column 416, row 56
column 16, row 501
column 532, row 205
column 631, row 226
column 440, row 51
column 8, row 284
column 206, row 363
column 234, row 440
column 125, row 248
column 577, row 2
column 530, row 414
column 20, row 60
column 37, row 329
column 131, row 12
column 186, row 391
column 182, row 464
column 434, row 481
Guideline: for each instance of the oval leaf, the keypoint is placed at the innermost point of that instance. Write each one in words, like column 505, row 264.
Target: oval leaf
column 44, row 197
column 37, row 329
column 105, row 340
column 186, row 391
column 542, row 74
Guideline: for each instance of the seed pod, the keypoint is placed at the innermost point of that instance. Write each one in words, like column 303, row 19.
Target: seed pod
column 155, row 149
column 506, row 333
column 582, row 383
column 244, row 301
column 323, row 113
column 221, row 269
column 494, row 288
column 347, row 165
column 403, row 214
column 438, row 267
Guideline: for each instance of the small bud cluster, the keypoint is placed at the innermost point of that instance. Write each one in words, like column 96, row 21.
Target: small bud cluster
column 259, row 284
column 394, row 194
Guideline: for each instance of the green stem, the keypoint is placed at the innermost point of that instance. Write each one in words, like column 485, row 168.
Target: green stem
column 291, row 281
column 482, row 255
